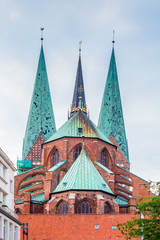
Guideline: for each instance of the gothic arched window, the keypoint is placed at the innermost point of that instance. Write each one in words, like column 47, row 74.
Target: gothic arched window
column 55, row 157
column 103, row 158
column 58, row 179
column 106, row 208
column 63, row 208
column 77, row 152
column 85, row 207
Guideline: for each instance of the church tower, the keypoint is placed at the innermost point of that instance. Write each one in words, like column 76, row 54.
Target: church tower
column 111, row 121
column 79, row 94
column 41, row 122
column 80, row 168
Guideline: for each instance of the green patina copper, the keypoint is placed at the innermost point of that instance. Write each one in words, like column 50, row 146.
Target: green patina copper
column 121, row 201
column 125, row 178
column 124, row 194
column 103, row 167
column 41, row 117
column 57, row 166
column 29, row 185
column 132, row 174
column 23, row 165
column 20, row 201
column 39, row 198
column 29, row 170
column 79, row 125
column 111, row 116
column 123, row 187
column 83, row 175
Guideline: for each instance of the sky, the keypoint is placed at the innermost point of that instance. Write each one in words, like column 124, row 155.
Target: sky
column 137, row 50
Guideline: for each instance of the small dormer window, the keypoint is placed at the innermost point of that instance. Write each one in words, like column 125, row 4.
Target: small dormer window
column 80, row 130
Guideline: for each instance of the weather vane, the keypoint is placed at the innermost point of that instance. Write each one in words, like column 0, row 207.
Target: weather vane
column 80, row 48
column 113, row 41
column 42, row 35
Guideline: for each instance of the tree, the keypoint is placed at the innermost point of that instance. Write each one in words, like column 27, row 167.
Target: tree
column 149, row 226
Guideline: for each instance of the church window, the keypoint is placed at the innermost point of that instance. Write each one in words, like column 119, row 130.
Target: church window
column 85, row 207
column 103, row 158
column 58, row 179
column 106, row 208
column 77, row 152
column 55, row 157
column 63, row 208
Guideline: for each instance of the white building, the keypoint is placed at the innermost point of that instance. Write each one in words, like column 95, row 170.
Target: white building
column 9, row 224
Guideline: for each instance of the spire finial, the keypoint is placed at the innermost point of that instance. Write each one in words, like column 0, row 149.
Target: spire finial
column 42, row 36
column 113, row 41
column 80, row 48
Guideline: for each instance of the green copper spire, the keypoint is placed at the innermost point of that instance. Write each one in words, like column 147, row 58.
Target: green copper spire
column 41, row 121
column 111, row 120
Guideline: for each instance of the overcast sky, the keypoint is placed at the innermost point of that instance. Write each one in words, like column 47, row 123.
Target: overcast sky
column 137, row 49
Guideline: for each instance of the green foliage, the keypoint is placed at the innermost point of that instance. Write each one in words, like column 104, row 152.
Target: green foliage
column 149, row 226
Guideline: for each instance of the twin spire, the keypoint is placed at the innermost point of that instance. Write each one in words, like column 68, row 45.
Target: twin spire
column 41, row 122
column 111, row 121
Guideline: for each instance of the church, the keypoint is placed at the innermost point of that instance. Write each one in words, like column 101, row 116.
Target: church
column 80, row 168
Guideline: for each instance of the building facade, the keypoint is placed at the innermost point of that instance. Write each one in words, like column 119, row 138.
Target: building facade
column 9, row 224
column 80, row 168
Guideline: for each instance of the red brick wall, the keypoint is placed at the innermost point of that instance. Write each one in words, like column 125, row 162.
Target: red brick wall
column 74, row 227
column 66, row 148
column 35, row 152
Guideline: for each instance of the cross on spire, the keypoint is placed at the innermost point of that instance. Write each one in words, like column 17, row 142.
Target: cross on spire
column 80, row 48
column 113, row 41
column 42, row 36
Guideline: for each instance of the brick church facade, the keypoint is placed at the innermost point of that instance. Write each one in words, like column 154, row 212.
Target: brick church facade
column 80, row 168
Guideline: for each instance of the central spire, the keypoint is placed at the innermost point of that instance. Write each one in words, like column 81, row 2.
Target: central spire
column 79, row 95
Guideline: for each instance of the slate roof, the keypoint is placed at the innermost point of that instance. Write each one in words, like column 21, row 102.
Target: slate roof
column 41, row 117
column 78, row 88
column 83, row 175
column 111, row 115
column 79, row 121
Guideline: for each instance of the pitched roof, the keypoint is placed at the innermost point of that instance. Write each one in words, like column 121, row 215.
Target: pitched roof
column 29, row 170
column 52, row 169
column 41, row 117
column 111, row 115
column 77, row 126
column 103, row 167
column 39, row 198
column 121, row 201
column 83, row 175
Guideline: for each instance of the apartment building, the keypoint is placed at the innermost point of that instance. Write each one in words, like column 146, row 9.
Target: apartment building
column 9, row 224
